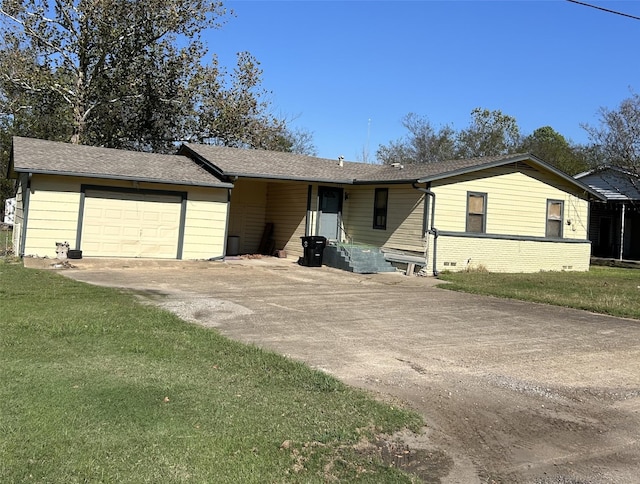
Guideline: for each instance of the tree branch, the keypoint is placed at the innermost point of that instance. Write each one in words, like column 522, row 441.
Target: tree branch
column 34, row 34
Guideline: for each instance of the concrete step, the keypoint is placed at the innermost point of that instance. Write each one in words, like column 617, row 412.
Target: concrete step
column 362, row 260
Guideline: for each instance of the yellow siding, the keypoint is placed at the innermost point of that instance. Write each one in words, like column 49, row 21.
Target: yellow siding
column 516, row 204
column 404, row 217
column 287, row 210
column 254, row 203
column 54, row 203
column 54, row 206
column 247, row 214
column 205, row 224
column 495, row 255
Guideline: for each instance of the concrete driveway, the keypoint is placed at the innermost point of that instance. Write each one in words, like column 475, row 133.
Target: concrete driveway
column 510, row 391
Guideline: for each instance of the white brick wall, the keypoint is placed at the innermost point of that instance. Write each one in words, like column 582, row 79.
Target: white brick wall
column 499, row 255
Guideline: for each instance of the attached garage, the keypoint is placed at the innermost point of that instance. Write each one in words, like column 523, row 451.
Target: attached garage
column 115, row 203
column 131, row 224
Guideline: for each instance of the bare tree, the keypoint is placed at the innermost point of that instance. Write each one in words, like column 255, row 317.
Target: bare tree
column 423, row 144
column 617, row 138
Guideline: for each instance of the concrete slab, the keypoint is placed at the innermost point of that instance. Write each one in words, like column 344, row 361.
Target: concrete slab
column 510, row 391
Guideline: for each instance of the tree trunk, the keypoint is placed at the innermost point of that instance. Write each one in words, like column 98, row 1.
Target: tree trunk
column 79, row 110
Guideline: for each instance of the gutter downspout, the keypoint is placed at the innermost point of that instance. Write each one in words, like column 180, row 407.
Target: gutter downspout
column 432, row 230
column 226, row 229
column 26, row 196
column 622, row 217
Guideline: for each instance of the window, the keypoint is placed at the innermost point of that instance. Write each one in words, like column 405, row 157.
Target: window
column 555, row 212
column 380, row 208
column 476, row 212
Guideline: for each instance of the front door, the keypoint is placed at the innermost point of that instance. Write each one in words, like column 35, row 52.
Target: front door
column 330, row 212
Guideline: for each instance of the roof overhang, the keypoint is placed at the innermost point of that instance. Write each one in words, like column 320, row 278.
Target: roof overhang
column 398, row 181
column 124, row 178
column 290, row 178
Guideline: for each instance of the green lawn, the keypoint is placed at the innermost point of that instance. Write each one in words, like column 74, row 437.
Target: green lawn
column 606, row 290
column 6, row 242
column 95, row 387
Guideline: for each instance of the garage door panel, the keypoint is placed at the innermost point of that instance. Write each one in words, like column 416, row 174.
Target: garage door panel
column 111, row 230
column 131, row 232
column 131, row 224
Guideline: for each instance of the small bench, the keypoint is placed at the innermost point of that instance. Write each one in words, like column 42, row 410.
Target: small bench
column 411, row 260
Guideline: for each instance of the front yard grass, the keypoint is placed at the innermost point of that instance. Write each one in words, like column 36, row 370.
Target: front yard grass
column 606, row 290
column 95, row 387
column 6, row 241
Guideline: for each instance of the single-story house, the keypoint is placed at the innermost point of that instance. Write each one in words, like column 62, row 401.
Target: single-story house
column 512, row 213
column 115, row 203
column 614, row 227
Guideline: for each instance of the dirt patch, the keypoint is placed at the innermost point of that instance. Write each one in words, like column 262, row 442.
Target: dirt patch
column 205, row 311
column 428, row 464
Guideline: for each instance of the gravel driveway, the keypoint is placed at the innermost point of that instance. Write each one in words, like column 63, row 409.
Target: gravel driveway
column 510, row 391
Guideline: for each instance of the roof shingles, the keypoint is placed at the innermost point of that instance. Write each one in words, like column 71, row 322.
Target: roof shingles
column 198, row 165
column 291, row 166
column 50, row 157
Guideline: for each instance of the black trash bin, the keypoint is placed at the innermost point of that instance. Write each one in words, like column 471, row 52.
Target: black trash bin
column 313, row 247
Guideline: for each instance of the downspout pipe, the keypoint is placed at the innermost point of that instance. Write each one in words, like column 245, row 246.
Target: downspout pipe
column 432, row 229
column 26, row 196
column 622, row 228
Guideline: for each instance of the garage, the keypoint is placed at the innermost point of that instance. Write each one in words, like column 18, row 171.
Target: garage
column 104, row 202
column 131, row 224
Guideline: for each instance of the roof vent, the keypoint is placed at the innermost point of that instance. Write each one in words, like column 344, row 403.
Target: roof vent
column 341, row 160
column 397, row 165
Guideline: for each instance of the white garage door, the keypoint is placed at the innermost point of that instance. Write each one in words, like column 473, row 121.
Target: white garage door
column 119, row 224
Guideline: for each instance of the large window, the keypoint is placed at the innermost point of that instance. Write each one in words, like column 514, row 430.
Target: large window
column 555, row 215
column 476, row 212
column 380, row 208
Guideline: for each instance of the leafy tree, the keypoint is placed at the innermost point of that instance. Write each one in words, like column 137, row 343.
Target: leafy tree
column 25, row 114
column 232, row 110
column 617, row 139
column 102, row 57
column 490, row 133
column 130, row 74
column 550, row 146
column 423, row 144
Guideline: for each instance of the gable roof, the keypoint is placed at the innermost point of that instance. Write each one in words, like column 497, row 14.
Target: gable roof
column 612, row 182
column 249, row 163
column 55, row 158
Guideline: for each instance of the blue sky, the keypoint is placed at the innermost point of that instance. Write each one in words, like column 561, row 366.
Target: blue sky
column 348, row 71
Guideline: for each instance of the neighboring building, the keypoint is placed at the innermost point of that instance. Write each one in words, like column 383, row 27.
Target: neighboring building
column 114, row 203
column 614, row 227
column 9, row 211
column 506, row 214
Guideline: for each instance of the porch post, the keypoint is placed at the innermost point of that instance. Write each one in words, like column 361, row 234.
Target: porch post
column 307, row 222
column 622, row 230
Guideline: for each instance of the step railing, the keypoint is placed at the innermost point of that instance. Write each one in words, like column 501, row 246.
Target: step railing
column 349, row 244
